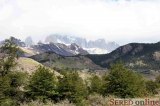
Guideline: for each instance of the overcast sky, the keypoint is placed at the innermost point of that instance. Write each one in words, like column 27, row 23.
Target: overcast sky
column 122, row 21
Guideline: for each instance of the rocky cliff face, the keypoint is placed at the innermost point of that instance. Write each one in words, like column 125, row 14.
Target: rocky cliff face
column 29, row 42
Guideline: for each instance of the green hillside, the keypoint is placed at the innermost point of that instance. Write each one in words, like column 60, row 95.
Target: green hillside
column 72, row 62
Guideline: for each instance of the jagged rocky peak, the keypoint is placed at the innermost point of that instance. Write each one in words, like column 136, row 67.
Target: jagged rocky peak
column 99, row 46
column 99, row 43
column 28, row 41
column 59, row 48
column 77, row 49
column 50, row 39
column 51, row 47
column 74, row 46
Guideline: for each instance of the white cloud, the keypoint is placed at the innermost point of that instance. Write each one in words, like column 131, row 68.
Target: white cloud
column 122, row 21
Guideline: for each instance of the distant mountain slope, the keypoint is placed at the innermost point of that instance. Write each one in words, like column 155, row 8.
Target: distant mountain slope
column 138, row 56
column 141, row 57
column 144, row 58
column 60, row 49
column 58, row 61
column 29, row 42
column 100, row 44
column 42, row 48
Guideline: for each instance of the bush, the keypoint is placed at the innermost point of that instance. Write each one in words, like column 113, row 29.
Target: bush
column 11, row 87
column 152, row 87
column 42, row 85
column 124, row 83
column 95, row 84
column 4, row 88
column 72, row 87
column 8, row 102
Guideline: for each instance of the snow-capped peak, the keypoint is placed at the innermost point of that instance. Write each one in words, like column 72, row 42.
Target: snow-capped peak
column 99, row 46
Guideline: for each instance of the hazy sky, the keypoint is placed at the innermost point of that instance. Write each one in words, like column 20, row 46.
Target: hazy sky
column 122, row 21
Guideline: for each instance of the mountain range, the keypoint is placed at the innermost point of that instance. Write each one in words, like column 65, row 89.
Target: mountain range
column 140, row 57
column 58, row 48
column 99, row 46
column 66, row 45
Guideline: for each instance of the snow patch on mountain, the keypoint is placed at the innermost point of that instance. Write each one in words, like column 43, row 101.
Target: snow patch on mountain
column 99, row 46
column 96, row 51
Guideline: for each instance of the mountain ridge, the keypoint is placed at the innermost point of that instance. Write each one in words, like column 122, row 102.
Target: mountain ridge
column 141, row 57
column 58, row 48
column 105, row 47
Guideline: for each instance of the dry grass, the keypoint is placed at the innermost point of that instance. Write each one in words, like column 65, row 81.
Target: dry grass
column 26, row 64
column 84, row 75
column 48, row 103
column 29, row 65
column 27, row 51
column 98, row 100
